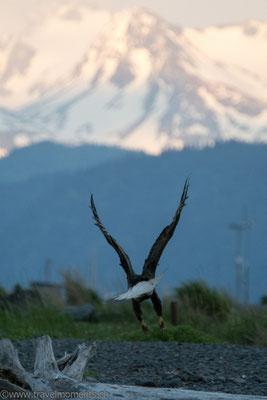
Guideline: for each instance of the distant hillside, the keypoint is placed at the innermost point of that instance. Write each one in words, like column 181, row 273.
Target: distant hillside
column 47, row 217
column 48, row 157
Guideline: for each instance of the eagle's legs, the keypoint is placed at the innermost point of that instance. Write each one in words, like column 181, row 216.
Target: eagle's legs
column 138, row 312
column 158, row 308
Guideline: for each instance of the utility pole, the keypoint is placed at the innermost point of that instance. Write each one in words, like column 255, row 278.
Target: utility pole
column 242, row 267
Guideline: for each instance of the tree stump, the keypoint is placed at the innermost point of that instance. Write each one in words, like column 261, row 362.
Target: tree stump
column 48, row 374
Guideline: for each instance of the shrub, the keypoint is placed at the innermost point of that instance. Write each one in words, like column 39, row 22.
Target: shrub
column 243, row 328
column 188, row 334
column 3, row 292
column 76, row 292
column 199, row 297
column 17, row 288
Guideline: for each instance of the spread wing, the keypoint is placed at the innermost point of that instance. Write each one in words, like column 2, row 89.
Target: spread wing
column 124, row 259
column 152, row 260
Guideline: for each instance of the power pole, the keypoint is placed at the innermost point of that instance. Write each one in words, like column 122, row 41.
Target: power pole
column 242, row 267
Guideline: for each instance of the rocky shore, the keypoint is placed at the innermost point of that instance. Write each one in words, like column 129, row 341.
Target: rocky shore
column 205, row 367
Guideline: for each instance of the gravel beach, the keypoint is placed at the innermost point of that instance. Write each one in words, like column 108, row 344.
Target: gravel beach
column 205, row 367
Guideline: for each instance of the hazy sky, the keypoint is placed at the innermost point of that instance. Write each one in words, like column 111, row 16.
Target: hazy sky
column 193, row 13
column 200, row 13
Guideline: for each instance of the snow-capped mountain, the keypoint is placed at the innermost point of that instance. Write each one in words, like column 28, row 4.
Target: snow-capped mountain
column 41, row 58
column 140, row 83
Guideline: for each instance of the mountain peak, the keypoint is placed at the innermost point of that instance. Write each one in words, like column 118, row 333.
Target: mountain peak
column 141, row 84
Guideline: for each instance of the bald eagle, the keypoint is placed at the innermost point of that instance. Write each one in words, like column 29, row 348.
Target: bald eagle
column 142, row 286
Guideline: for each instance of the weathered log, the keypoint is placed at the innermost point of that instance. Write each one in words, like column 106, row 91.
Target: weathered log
column 75, row 366
column 7, row 386
column 115, row 392
column 66, row 359
column 46, row 370
column 10, row 366
column 45, row 365
column 12, row 370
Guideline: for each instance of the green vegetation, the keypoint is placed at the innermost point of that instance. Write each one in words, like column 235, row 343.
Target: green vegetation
column 77, row 293
column 214, row 313
column 199, row 297
column 3, row 292
column 204, row 315
column 91, row 373
column 181, row 333
column 36, row 321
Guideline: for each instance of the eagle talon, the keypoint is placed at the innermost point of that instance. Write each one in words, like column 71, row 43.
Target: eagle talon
column 144, row 327
column 161, row 323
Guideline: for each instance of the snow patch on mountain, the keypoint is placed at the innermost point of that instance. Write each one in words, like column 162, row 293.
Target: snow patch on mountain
column 141, row 83
column 242, row 48
column 41, row 61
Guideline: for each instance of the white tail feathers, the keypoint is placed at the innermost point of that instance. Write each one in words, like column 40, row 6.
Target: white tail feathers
column 140, row 289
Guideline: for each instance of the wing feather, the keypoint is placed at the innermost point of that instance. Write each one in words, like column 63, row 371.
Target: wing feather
column 124, row 259
column 152, row 260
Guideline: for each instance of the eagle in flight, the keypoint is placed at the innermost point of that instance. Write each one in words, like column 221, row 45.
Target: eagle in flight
column 142, row 286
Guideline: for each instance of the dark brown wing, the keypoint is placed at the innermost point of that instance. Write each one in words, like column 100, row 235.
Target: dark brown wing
column 152, row 260
column 124, row 259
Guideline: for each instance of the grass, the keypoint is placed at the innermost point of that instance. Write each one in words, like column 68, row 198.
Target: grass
column 242, row 327
column 181, row 333
column 214, row 313
column 36, row 322
column 91, row 373
column 205, row 300
column 204, row 315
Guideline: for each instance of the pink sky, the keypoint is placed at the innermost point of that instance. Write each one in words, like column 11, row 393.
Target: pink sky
column 192, row 13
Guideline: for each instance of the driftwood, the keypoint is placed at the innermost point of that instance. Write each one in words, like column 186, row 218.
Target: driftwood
column 49, row 374
column 62, row 379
